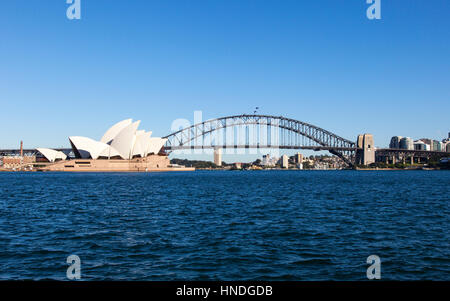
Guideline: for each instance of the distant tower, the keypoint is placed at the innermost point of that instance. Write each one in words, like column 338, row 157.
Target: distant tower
column 218, row 156
column 299, row 160
column 395, row 142
column 407, row 143
column 21, row 148
column 366, row 154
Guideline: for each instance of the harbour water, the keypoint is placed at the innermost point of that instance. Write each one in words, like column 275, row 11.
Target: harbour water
column 226, row 225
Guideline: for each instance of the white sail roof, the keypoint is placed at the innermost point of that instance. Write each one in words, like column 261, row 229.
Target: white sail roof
column 141, row 143
column 109, row 152
column 51, row 155
column 124, row 141
column 88, row 147
column 155, row 145
column 113, row 131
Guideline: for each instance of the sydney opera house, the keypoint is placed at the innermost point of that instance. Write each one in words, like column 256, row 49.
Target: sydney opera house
column 122, row 148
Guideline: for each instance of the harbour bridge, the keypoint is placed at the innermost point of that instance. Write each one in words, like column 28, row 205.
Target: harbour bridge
column 266, row 131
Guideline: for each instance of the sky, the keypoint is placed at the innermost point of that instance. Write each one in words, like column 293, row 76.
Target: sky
column 319, row 61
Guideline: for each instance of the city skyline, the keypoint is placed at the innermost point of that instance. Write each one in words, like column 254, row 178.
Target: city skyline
column 134, row 60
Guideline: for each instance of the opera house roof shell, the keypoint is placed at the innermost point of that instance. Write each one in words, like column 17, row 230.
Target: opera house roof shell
column 51, row 154
column 122, row 140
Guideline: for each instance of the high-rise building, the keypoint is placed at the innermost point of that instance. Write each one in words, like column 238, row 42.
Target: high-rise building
column 437, row 145
column 298, row 158
column 420, row 145
column 267, row 160
column 359, row 141
column 434, row 144
column 395, row 142
column 446, row 143
column 406, row 143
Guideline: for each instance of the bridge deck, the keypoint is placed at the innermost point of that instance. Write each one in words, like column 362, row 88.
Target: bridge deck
column 317, row 148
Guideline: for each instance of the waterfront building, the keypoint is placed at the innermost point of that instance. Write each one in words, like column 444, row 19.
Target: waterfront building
column 446, row 144
column 267, row 160
column 406, row 143
column 18, row 162
column 427, row 141
column 121, row 141
column 298, row 158
column 438, row 146
column 122, row 148
column 395, row 142
column 434, row 144
column 420, row 145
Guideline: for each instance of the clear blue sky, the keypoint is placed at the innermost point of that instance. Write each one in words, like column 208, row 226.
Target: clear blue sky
column 318, row 61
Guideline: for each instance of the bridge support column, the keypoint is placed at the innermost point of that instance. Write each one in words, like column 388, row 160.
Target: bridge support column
column 366, row 152
column 218, row 156
column 412, row 159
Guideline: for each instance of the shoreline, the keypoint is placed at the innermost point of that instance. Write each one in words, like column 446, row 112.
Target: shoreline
column 293, row 169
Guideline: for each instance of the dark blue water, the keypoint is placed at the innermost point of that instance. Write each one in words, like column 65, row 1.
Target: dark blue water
column 226, row 225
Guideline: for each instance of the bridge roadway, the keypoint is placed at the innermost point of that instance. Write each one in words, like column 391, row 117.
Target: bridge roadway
column 315, row 148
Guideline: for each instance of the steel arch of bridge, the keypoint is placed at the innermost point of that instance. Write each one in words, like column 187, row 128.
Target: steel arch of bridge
column 294, row 134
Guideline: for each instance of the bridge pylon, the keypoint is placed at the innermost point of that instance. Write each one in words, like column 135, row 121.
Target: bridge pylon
column 218, row 156
column 365, row 154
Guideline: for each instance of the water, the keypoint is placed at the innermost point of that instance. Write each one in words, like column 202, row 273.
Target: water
column 226, row 225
